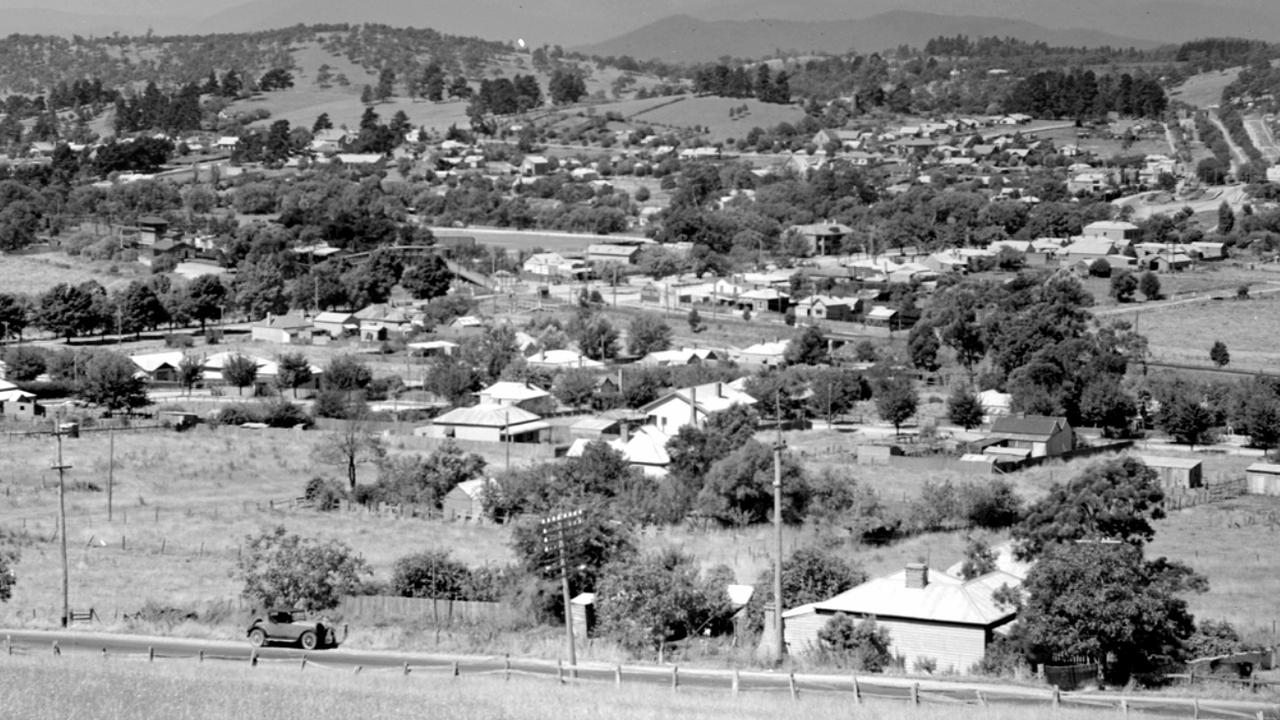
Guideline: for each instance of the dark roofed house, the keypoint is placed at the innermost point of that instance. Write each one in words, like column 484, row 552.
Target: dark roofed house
column 1042, row 436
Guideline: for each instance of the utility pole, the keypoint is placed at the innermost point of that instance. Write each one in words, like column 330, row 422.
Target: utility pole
column 62, row 524
column 558, row 533
column 111, row 467
column 777, row 528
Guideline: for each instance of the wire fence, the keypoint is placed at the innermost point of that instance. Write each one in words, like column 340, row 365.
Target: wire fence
column 857, row 689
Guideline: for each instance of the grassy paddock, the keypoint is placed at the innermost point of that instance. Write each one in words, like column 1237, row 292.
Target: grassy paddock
column 1184, row 333
column 119, row 689
column 184, row 504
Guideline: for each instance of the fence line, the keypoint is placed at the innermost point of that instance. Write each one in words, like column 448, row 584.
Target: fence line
column 442, row 613
column 797, row 686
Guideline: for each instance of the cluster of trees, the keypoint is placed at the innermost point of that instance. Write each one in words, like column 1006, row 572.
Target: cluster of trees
column 1087, row 538
column 739, row 82
column 1041, row 345
column 154, row 109
column 71, row 311
column 1083, row 95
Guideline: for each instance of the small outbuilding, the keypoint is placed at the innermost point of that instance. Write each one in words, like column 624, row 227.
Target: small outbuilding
column 1176, row 473
column 466, row 500
column 1263, row 478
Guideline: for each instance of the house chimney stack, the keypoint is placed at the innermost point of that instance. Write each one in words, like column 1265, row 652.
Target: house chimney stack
column 917, row 575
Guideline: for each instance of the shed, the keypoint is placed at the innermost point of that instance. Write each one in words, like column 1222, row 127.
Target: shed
column 1043, row 436
column 583, row 610
column 1263, row 478
column 1176, row 473
column 466, row 500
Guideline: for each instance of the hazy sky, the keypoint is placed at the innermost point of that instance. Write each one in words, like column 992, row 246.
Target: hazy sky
column 576, row 22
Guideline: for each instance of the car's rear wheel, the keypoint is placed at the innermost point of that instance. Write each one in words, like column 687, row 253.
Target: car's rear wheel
column 257, row 637
column 307, row 640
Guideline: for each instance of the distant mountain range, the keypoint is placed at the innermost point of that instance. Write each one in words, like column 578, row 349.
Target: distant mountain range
column 682, row 38
column 592, row 23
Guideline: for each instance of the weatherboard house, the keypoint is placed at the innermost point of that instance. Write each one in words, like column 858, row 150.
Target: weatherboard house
column 933, row 616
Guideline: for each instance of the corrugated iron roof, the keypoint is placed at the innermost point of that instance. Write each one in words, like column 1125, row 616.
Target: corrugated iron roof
column 943, row 599
column 1027, row 425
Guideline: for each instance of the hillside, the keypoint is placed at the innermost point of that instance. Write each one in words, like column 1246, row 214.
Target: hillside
column 683, row 38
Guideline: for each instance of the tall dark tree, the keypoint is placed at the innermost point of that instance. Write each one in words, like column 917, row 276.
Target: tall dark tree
column 1110, row 500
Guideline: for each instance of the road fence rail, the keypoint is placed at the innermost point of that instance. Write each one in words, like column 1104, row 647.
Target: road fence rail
column 859, row 689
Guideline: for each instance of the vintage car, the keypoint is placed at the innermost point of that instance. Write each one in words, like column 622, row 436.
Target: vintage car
column 279, row 626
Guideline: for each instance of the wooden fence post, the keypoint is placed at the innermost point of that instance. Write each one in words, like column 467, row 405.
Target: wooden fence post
column 857, row 690
column 1195, row 709
column 1124, row 707
column 915, row 693
column 617, row 676
column 456, row 670
column 560, row 671
column 406, row 669
column 791, row 685
column 56, row 650
column 675, row 677
column 506, row 667
column 201, row 656
column 253, row 658
column 737, row 681
column 151, row 654
column 1057, row 696
column 304, row 664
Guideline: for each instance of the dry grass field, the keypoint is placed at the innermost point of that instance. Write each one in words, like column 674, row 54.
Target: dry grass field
column 713, row 113
column 1205, row 89
column 125, row 689
column 183, row 505
column 1184, row 333
column 1103, row 147
column 1230, row 543
column 37, row 272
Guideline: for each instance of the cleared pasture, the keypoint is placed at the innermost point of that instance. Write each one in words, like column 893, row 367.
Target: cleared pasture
column 125, row 689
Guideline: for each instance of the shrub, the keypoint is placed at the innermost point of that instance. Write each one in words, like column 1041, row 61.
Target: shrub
column 864, row 646
column 430, row 574
column 1100, row 268
column 239, row 414
column 283, row 570
column 179, row 341
column 284, row 414
column 325, row 494
column 330, row 404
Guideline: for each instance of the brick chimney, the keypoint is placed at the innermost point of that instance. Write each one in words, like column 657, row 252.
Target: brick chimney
column 917, row 575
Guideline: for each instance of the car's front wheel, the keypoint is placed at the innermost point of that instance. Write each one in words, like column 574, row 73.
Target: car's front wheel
column 307, row 640
column 257, row 637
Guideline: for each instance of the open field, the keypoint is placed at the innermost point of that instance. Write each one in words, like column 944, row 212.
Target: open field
column 124, row 689
column 185, row 503
column 1205, row 89
column 1184, row 333
column 37, row 272
column 1220, row 278
column 1230, row 543
column 713, row 113
column 1103, row 147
